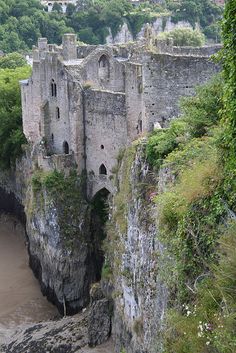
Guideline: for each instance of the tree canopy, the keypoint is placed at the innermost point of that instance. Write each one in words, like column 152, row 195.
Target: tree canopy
column 11, row 134
column 23, row 21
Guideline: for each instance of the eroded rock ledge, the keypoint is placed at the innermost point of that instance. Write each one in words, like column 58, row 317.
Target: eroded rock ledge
column 69, row 334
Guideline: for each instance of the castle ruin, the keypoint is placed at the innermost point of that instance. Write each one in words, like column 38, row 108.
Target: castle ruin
column 85, row 103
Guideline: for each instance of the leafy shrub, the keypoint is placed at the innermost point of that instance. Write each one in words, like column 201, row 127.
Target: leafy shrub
column 184, row 37
column 208, row 324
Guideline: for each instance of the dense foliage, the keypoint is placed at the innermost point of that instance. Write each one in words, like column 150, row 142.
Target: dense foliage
column 197, row 212
column 23, row 21
column 204, row 12
column 229, row 64
column 12, row 61
column 11, row 135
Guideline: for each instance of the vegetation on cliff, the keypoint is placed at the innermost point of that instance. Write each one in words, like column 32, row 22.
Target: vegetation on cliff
column 65, row 192
column 204, row 12
column 22, row 22
column 11, row 134
column 197, row 212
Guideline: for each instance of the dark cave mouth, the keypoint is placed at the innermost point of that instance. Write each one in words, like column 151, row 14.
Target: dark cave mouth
column 99, row 218
column 11, row 205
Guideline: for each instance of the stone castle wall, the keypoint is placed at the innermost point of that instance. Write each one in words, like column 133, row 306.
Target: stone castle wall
column 105, row 116
column 105, row 95
column 167, row 78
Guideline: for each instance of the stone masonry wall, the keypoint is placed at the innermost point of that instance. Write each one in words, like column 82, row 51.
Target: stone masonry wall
column 105, row 122
column 169, row 77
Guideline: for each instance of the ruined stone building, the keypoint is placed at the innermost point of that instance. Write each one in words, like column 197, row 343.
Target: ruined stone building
column 85, row 103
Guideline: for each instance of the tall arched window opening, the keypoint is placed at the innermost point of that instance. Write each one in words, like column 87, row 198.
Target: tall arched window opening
column 102, row 170
column 53, row 88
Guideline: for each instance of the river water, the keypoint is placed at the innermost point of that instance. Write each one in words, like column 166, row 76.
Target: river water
column 21, row 301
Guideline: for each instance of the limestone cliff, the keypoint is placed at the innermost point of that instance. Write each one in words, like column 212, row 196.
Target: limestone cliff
column 64, row 250
column 134, row 254
column 162, row 23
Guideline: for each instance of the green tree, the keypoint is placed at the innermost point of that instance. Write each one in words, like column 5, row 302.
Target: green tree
column 12, row 61
column 86, row 35
column 57, row 7
column 11, row 135
column 70, row 10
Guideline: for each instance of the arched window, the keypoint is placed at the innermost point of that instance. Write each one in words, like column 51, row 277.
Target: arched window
column 103, row 61
column 53, row 88
column 66, row 149
column 52, row 138
column 103, row 169
column 103, row 67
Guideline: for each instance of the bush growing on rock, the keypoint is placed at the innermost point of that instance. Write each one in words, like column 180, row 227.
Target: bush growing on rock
column 184, row 37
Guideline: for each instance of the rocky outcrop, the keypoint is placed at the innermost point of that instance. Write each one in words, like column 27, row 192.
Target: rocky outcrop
column 67, row 335
column 161, row 24
column 99, row 326
column 140, row 296
column 66, row 267
column 63, row 253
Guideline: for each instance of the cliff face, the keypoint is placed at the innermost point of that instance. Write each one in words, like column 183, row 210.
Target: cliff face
column 161, row 24
column 65, row 248
column 62, row 270
column 135, row 255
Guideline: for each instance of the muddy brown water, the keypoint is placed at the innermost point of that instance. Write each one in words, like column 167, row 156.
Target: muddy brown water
column 21, row 301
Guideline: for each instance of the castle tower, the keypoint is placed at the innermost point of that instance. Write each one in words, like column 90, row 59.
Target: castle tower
column 69, row 46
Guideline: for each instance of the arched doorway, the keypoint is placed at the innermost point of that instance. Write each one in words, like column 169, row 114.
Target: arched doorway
column 66, row 148
column 99, row 217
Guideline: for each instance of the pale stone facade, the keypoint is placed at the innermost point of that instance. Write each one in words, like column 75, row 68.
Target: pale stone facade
column 63, row 3
column 87, row 102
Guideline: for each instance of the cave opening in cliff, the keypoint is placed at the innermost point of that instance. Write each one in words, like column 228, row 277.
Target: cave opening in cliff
column 99, row 217
column 11, row 205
